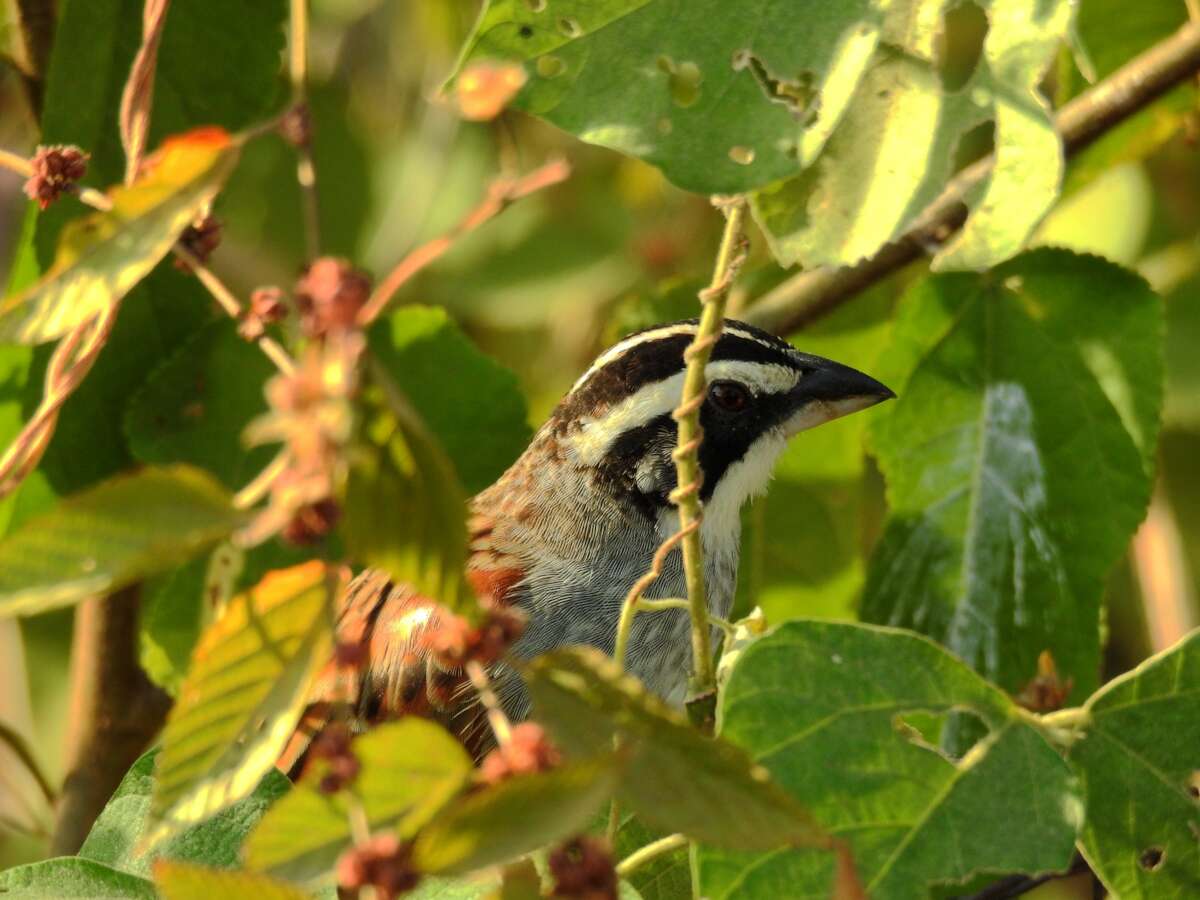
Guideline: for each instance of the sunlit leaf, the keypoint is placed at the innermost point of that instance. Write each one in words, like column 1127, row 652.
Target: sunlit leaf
column 675, row 778
column 122, row 530
column 410, row 769
column 1017, row 459
column 405, row 511
column 184, row 881
column 1139, row 761
column 517, row 816
column 825, row 707
column 242, row 697
column 101, row 256
column 847, row 116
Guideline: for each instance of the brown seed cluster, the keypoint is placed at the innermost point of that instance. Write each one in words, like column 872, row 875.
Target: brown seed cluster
column 527, row 750
column 1047, row 691
column 457, row 642
column 329, row 295
column 296, row 126
column 55, row 169
column 342, row 766
column 200, row 239
column 267, row 307
column 583, row 869
column 384, row 863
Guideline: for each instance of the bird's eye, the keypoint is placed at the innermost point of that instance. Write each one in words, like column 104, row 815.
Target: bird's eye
column 729, row 395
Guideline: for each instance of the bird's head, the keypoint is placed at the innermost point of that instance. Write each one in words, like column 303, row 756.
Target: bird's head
column 616, row 420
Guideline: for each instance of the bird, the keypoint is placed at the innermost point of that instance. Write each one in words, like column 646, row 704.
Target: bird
column 565, row 532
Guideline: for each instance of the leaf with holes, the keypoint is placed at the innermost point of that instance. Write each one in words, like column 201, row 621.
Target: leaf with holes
column 833, row 710
column 405, row 511
column 1017, row 459
column 90, row 543
column 675, row 778
column 410, row 770
column 242, row 697
column 184, row 881
column 103, row 255
column 517, row 816
column 847, row 117
column 1139, row 760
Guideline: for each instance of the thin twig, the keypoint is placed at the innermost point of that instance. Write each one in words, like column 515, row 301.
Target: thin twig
column 306, row 171
column 808, row 296
column 1165, row 582
column 16, row 742
column 501, row 193
column 651, row 851
column 501, row 727
column 137, row 98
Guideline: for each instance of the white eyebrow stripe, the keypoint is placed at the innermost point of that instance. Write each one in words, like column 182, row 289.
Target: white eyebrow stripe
column 596, row 436
column 658, row 334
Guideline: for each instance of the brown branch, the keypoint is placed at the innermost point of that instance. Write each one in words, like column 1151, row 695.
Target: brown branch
column 137, row 98
column 115, row 712
column 808, row 296
column 501, row 193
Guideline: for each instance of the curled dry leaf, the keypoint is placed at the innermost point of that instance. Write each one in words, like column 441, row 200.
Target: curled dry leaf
column 485, row 88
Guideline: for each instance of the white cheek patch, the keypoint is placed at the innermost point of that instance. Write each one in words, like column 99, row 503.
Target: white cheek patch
column 596, row 436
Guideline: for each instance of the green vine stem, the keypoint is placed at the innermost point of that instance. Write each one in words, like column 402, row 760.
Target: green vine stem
column 651, row 851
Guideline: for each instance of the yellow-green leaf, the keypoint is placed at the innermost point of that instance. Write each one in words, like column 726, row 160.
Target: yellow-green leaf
column 111, row 535
column 517, row 816
column 405, row 508
column 242, row 696
column 103, row 255
column 676, row 778
column 184, row 881
column 410, row 769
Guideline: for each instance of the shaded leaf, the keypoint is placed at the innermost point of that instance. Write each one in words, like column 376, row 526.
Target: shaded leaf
column 675, row 778
column 1017, row 459
column 410, row 769
column 90, row 543
column 101, row 256
column 1139, row 761
column 850, row 103
column 517, row 816
column 666, row 877
column 195, row 406
column 405, row 511
column 72, row 878
column 123, row 823
column 184, row 881
column 478, row 415
column 242, row 697
column 824, row 706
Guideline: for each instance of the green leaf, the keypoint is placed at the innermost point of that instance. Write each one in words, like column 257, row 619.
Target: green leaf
column 183, row 881
column 410, row 770
column 115, row 836
column 91, row 544
column 825, row 707
column 478, row 415
column 675, row 778
column 72, row 878
column 802, row 548
column 405, row 511
column 1139, row 761
column 666, row 877
column 845, row 115
column 1017, row 459
column 103, row 255
column 194, row 407
column 243, row 695
column 517, row 816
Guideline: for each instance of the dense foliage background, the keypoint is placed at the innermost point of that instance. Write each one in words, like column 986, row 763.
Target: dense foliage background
column 1032, row 501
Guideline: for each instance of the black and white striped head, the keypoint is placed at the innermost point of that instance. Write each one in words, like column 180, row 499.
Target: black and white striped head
column 616, row 420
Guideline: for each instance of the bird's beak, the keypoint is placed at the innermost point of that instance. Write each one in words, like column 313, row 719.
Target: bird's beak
column 829, row 391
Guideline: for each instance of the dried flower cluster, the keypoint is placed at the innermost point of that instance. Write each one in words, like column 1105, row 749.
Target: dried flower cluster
column 384, row 863
column 583, row 869
column 456, row 641
column 200, row 239
column 55, row 169
column 527, row 750
column 341, row 765
column 329, row 295
column 267, row 307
